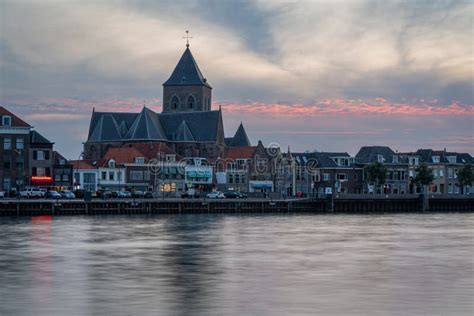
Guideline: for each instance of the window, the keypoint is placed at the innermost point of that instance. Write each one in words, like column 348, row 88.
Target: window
column 435, row 159
column 380, row 158
column 7, row 161
column 40, row 171
column 6, row 120
column 38, row 155
column 171, row 158
column 341, row 176
column 139, row 160
column 450, row 188
column 57, row 177
column 450, row 173
column 111, row 175
column 441, row 173
column 395, row 159
column 20, row 143
column 147, row 175
column 413, row 161
column 243, row 179
column 111, row 163
column 174, row 102
column 326, row 176
column 65, row 177
column 7, row 184
column 231, row 178
column 435, row 173
column 20, row 164
column 237, row 178
column 136, row 175
column 191, row 102
column 452, row 159
column 103, row 175
column 119, row 175
column 77, row 178
column 7, row 143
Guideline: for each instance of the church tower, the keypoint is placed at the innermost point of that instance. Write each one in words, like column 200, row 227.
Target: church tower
column 186, row 90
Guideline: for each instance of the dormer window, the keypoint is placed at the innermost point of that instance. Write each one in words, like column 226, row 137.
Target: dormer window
column 140, row 160
column 6, row 120
column 191, row 102
column 171, row 158
column 435, row 159
column 111, row 163
column 452, row 159
column 395, row 159
column 380, row 158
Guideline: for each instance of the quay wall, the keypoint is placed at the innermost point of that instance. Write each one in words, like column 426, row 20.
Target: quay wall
column 323, row 206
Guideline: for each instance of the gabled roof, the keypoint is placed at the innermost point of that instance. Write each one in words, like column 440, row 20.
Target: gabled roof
column 16, row 121
column 187, row 72
column 127, row 118
column 123, row 155
column 203, row 125
column 105, row 129
column 146, row 126
column 246, row 152
column 37, row 138
column 369, row 154
column 82, row 164
column 240, row 138
column 183, row 133
column 152, row 150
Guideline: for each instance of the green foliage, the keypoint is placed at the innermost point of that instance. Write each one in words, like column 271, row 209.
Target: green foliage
column 466, row 176
column 424, row 175
column 376, row 173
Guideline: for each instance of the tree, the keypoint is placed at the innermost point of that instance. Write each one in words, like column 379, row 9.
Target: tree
column 424, row 175
column 375, row 173
column 465, row 177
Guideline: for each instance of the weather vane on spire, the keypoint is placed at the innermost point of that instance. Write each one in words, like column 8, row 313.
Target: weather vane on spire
column 187, row 37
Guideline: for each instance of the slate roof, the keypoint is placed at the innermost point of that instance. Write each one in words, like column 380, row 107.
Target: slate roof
column 183, row 133
column 82, row 164
column 16, row 121
column 203, row 125
column 106, row 129
column 37, row 138
column 426, row 155
column 369, row 154
column 187, row 73
column 149, row 125
column 240, row 138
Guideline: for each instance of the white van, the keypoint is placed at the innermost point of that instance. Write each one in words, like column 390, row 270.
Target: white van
column 32, row 193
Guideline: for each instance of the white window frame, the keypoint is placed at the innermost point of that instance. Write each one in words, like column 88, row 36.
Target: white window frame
column 5, row 119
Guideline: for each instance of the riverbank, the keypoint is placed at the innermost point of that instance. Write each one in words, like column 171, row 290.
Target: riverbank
column 362, row 205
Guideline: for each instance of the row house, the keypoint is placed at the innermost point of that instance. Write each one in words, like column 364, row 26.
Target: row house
column 246, row 169
column 445, row 167
column 28, row 158
column 397, row 180
column 320, row 173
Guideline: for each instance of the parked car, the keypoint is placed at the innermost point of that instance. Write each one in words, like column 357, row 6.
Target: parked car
column 137, row 194
column 31, row 193
column 119, row 195
column 66, row 194
column 2, row 194
column 191, row 193
column 232, row 195
column 148, row 195
column 52, row 195
column 243, row 195
column 127, row 194
column 215, row 195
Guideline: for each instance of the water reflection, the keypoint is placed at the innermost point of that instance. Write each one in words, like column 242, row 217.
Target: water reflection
column 221, row 264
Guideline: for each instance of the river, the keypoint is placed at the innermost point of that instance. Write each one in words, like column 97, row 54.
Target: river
column 407, row 264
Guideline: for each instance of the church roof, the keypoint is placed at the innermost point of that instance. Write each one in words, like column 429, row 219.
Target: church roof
column 187, row 73
column 240, row 138
column 183, row 133
column 106, row 128
column 146, row 126
column 203, row 125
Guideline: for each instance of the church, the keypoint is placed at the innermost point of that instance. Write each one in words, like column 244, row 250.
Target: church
column 187, row 123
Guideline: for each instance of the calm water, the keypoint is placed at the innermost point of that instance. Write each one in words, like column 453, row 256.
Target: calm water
column 238, row 265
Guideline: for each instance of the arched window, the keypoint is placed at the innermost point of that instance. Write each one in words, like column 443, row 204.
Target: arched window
column 174, row 102
column 191, row 102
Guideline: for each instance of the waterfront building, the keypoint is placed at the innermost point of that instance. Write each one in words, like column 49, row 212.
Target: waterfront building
column 86, row 175
column 187, row 123
column 62, row 172
column 397, row 180
column 41, row 160
column 14, row 151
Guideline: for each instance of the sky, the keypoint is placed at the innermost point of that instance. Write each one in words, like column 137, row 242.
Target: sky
column 318, row 75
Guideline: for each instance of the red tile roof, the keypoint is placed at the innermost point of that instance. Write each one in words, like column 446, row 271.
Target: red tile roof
column 123, row 155
column 240, row 152
column 16, row 121
column 152, row 150
column 82, row 164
